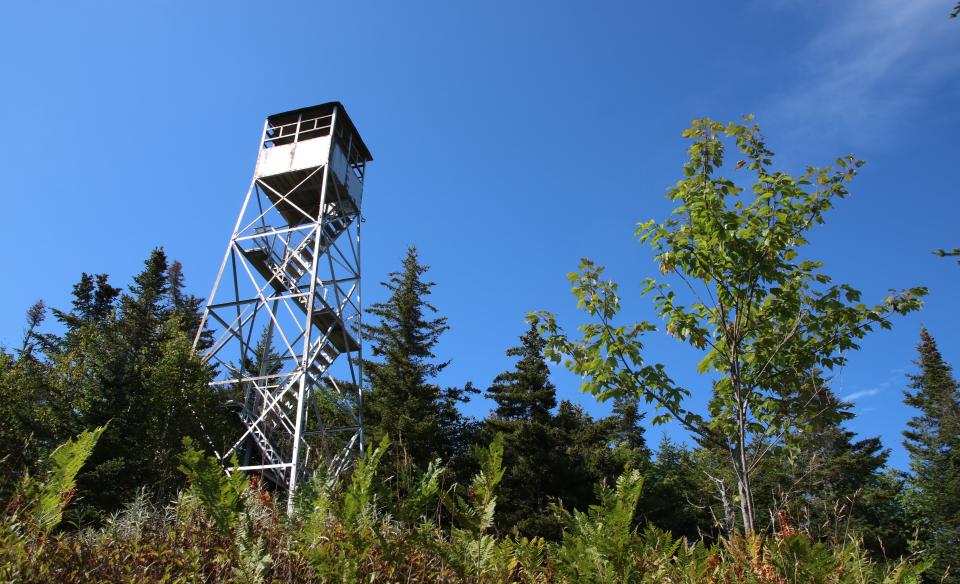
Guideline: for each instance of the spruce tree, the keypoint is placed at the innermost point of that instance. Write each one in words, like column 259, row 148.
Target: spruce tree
column 34, row 413
column 532, row 450
column 93, row 301
column 127, row 359
column 525, row 393
column 585, row 455
column 677, row 495
column 403, row 401
column 188, row 307
column 265, row 360
column 833, row 482
column 933, row 441
column 626, row 418
column 552, row 455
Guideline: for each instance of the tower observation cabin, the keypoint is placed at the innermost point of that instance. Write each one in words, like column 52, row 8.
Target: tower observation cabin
column 282, row 325
column 298, row 141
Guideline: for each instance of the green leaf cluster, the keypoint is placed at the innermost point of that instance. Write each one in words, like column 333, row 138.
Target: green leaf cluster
column 767, row 321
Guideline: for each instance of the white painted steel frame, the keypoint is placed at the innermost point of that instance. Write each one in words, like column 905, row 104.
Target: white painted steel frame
column 305, row 301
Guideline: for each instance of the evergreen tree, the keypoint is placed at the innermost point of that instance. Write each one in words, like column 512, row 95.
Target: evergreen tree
column 626, row 443
column 832, row 482
column 33, row 411
column 626, row 420
column 39, row 410
column 532, row 450
column 677, row 495
column 188, row 307
column 587, row 456
column 551, row 456
column 827, row 480
column 525, row 393
column 265, row 359
column 93, row 301
column 933, row 441
column 127, row 360
column 403, row 401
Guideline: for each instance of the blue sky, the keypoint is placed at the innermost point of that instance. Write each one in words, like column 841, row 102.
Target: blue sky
column 510, row 139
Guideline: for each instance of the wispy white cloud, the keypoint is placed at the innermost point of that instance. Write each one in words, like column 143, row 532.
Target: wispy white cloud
column 861, row 394
column 894, row 379
column 871, row 62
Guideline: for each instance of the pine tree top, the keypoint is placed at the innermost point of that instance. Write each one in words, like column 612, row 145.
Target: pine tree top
column 937, row 395
column 404, row 402
column 405, row 335
column 526, row 391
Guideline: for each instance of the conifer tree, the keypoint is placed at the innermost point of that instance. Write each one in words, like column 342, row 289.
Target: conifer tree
column 93, row 301
column 265, row 359
column 676, row 495
column 586, row 456
column 33, row 411
column 187, row 306
column 533, row 452
column 127, row 359
column 525, row 393
column 39, row 410
column 551, row 456
column 403, row 401
column 626, row 420
column 832, row 482
column 933, row 441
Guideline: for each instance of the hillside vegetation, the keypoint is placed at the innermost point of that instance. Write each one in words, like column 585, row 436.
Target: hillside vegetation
column 107, row 471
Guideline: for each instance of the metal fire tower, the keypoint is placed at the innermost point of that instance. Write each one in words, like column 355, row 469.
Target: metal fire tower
column 285, row 308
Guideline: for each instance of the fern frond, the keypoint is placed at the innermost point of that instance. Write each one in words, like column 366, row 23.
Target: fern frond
column 50, row 497
column 359, row 494
column 221, row 494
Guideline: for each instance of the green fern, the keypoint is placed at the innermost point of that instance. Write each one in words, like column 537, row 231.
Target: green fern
column 341, row 534
column 358, row 498
column 254, row 561
column 315, row 496
column 340, row 531
column 470, row 550
column 221, row 494
column 48, row 498
column 525, row 558
column 474, row 513
column 420, row 493
column 597, row 545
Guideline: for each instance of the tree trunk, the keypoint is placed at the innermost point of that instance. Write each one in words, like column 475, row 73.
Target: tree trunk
column 744, row 488
column 746, row 501
column 741, row 465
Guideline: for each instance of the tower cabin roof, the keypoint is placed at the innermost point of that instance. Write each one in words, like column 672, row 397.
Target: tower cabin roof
column 315, row 111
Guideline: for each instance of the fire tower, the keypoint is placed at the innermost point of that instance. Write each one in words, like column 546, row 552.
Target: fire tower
column 285, row 308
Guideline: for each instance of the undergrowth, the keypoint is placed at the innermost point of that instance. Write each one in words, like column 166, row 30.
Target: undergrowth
column 230, row 528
